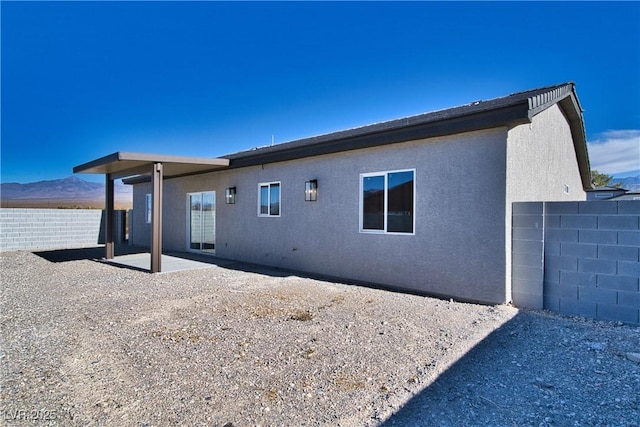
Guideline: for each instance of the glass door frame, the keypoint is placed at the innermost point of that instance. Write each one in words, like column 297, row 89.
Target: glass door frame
column 202, row 241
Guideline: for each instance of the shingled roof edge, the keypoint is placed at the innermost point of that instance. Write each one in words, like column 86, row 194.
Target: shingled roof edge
column 513, row 109
column 507, row 110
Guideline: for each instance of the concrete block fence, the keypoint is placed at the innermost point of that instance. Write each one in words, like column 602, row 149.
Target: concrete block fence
column 41, row 229
column 578, row 258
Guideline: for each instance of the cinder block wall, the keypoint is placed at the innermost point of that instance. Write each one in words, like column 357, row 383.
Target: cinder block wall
column 37, row 229
column 588, row 254
column 527, row 254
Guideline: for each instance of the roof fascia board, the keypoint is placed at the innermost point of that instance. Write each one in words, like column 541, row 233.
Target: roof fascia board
column 569, row 104
column 125, row 164
column 156, row 158
column 542, row 101
column 510, row 115
column 114, row 157
column 138, row 179
column 572, row 110
column 514, row 114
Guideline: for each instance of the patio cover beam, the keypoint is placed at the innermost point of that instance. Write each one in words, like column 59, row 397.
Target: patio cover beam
column 123, row 164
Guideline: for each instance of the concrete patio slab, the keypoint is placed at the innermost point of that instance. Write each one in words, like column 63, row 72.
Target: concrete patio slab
column 170, row 263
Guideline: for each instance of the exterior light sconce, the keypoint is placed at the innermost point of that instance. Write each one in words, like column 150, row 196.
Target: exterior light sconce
column 311, row 190
column 230, row 196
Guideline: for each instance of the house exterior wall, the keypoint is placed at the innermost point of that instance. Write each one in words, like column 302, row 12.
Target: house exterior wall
column 541, row 160
column 458, row 248
column 140, row 231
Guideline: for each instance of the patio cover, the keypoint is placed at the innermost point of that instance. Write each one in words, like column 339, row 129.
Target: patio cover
column 122, row 164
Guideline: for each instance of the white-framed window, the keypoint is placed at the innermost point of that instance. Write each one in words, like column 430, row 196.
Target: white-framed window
column 269, row 199
column 387, row 202
column 149, row 204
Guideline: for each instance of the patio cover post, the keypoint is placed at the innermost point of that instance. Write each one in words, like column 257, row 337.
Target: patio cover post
column 108, row 218
column 156, row 218
column 124, row 164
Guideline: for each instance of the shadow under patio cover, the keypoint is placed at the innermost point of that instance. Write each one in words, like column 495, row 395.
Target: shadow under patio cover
column 122, row 165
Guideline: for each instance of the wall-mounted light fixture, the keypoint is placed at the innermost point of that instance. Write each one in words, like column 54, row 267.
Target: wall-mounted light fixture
column 311, row 190
column 230, row 195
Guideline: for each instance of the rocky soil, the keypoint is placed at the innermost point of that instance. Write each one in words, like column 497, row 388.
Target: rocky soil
column 83, row 343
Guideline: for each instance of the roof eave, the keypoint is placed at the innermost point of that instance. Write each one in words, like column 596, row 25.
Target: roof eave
column 402, row 130
column 507, row 116
column 572, row 110
column 566, row 98
column 125, row 164
column 137, row 179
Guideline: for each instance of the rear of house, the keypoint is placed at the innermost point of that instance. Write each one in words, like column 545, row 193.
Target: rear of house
column 421, row 203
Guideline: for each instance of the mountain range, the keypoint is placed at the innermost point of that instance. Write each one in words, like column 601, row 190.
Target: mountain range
column 631, row 183
column 74, row 190
column 67, row 190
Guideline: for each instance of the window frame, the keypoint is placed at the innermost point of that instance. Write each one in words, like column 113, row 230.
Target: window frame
column 385, row 174
column 268, row 185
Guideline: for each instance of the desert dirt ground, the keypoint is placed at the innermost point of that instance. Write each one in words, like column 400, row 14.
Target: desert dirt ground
column 90, row 344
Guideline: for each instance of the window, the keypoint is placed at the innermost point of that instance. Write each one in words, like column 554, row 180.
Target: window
column 269, row 199
column 387, row 202
column 148, row 201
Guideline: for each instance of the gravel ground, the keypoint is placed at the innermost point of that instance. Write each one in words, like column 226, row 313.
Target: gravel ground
column 89, row 344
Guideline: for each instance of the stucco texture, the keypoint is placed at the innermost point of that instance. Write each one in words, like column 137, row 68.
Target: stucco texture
column 541, row 165
column 541, row 160
column 458, row 248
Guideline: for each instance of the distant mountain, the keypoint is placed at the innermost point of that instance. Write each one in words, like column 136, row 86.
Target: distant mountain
column 67, row 189
column 631, row 183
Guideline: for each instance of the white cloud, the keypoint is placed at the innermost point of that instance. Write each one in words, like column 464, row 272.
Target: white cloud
column 615, row 151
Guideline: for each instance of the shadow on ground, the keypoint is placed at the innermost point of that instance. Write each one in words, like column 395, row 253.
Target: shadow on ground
column 97, row 254
column 535, row 370
column 90, row 253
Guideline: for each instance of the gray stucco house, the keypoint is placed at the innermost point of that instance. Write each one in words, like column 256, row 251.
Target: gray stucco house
column 605, row 193
column 421, row 203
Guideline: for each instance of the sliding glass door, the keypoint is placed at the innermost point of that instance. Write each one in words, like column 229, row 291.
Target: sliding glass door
column 202, row 222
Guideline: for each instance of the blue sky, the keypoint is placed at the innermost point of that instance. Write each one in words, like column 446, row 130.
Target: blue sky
column 83, row 80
